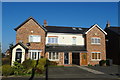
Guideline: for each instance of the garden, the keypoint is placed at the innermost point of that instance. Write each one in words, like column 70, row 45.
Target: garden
column 27, row 68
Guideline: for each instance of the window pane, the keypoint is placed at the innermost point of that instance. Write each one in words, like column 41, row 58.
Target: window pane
column 92, row 40
column 98, row 55
column 53, row 55
column 57, row 55
column 93, row 56
column 95, row 40
column 49, row 55
column 98, row 40
column 32, row 55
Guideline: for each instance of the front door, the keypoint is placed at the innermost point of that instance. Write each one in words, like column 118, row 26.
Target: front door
column 66, row 58
column 76, row 58
column 84, row 58
column 18, row 55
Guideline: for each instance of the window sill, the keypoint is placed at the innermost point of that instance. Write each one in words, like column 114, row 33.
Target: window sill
column 95, row 44
column 34, row 42
column 54, row 59
column 95, row 59
column 52, row 44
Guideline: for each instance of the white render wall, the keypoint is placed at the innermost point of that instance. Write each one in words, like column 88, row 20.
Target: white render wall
column 66, row 39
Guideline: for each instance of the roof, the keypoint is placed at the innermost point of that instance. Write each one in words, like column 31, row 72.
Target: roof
column 97, row 27
column 61, row 29
column 114, row 29
column 27, row 21
column 64, row 48
column 20, row 45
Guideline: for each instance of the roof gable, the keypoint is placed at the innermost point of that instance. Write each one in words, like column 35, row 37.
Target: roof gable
column 27, row 21
column 20, row 45
column 97, row 27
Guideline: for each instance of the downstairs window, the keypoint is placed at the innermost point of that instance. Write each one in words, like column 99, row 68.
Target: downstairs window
column 53, row 56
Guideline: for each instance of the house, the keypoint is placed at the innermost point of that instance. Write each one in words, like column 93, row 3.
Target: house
column 65, row 45
column 113, row 43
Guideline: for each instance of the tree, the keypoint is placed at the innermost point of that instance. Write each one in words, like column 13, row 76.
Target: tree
column 11, row 45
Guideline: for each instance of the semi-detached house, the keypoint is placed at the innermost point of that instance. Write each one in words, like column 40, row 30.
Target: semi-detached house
column 65, row 45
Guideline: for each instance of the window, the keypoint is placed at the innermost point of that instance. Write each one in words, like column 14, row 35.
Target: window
column 53, row 56
column 74, row 40
column 74, row 28
column 34, row 54
column 52, row 40
column 96, row 55
column 95, row 40
column 34, row 38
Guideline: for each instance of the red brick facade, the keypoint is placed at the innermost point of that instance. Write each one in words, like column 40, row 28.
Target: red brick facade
column 31, row 28
column 95, row 32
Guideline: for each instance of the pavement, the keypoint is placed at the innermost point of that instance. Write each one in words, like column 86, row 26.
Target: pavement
column 75, row 73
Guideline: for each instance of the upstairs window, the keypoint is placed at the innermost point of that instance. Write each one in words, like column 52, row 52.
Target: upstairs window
column 74, row 40
column 34, row 38
column 95, row 40
column 53, row 40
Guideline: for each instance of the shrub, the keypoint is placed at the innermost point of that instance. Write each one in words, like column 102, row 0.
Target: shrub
column 41, row 65
column 18, row 68
column 7, row 70
column 52, row 63
column 29, row 65
column 89, row 65
column 102, row 63
column 5, row 60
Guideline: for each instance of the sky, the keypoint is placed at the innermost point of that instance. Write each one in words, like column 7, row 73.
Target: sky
column 73, row 14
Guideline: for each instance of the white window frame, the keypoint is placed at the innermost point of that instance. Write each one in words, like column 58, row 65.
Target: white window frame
column 74, row 40
column 97, row 56
column 37, row 52
column 32, row 40
column 95, row 40
column 52, row 40
column 52, row 55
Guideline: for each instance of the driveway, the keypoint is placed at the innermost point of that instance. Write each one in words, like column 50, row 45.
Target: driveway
column 71, row 73
column 76, row 72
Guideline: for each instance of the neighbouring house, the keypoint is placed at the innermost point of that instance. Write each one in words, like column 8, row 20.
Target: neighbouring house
column 113, row 43
column 8, row 52
column 65, row 45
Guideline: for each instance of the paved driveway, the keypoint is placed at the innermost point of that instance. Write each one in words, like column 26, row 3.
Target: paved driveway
column 75, row 72
column 70, row 73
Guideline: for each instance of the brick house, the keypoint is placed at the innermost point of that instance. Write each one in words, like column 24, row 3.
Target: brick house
column 65, row 45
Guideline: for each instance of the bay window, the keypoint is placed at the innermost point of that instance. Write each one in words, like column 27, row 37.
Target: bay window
column 34, row 54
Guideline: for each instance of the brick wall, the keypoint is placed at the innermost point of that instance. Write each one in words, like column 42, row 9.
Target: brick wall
column 31, row 28
column 95, row 32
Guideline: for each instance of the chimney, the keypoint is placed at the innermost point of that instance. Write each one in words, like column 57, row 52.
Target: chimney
column 108, row 24
column 45, row 23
